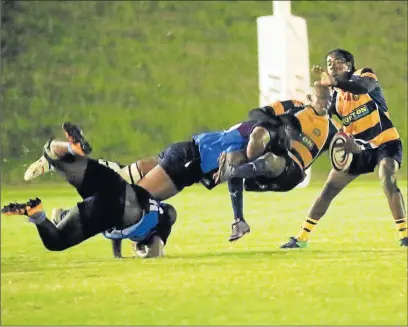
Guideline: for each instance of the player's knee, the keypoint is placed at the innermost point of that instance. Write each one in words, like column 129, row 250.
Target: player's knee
column 387, row 174
column 275, row 165
column 258, row 140
column 389, row 184
column 259, row 134
column 170, row 212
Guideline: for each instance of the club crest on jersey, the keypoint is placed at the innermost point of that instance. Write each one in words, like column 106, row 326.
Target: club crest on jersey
column 316, row 132
column 356, row 97
column 356, row 114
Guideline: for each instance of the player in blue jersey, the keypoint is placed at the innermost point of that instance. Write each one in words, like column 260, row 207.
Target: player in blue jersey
column 111, row 206
column 181, row 164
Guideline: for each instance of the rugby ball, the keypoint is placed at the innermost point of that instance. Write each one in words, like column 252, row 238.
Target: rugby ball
column 339, row 158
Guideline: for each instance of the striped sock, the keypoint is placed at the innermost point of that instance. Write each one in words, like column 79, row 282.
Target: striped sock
column 307, row 227
column 401, row 225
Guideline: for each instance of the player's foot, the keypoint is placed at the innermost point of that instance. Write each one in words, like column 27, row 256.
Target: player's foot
column 57, row 215
column 151, row 249
column 294, row 244
column 404, row 241
column 28, row 208
column 239, row 228
column 76, row 138
column 37, row 168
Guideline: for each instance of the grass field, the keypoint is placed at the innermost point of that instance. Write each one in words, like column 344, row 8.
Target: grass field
column 353, row 273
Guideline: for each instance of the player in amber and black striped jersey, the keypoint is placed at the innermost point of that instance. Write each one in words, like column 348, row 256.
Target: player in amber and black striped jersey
column 360, row 105
column 311, row 131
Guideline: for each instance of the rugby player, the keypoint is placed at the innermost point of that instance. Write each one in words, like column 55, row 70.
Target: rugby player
column 182, row 164
column 111, row 206
column 311, row 133
column 361, row 107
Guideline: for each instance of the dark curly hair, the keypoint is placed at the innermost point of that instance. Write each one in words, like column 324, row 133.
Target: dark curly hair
column 348, row 57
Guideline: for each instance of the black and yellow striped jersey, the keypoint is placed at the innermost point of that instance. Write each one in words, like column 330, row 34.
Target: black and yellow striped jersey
column 365, row 116
column 280, row 107
column 316, row 132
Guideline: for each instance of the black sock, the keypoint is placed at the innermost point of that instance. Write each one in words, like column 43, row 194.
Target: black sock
column 251, row 169
column 236, row 187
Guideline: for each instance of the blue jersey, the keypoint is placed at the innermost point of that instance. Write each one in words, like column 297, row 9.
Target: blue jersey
column 142, row 229
column 212, row 144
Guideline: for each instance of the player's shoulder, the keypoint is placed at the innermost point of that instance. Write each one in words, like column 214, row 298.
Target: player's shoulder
column 365, row 72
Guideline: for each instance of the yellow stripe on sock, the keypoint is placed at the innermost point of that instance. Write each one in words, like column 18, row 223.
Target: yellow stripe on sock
column 307, row 227
column 401, row 225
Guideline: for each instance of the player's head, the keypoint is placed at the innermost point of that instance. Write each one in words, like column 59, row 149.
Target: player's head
column 319, row 98
column 340, row 63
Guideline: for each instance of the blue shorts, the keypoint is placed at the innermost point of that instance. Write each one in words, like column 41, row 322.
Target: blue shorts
column 366, row 161
column 181, row 161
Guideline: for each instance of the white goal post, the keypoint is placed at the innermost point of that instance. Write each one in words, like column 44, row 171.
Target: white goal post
column 283, row 58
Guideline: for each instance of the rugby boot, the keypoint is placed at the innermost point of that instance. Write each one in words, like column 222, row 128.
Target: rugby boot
column 294, row 244
column 239, row 228
column 76, row 138
column 38, row 168
column 404, row 241
column 28, row 208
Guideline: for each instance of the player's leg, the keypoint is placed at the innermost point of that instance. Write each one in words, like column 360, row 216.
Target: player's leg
column 268, row 165
column 159, row 184
column 72, row 230
column 239, row 226
column 228, row 161
column 178, row 167
column 134, row 172
column 388, row 169
column 76, row 145
column 114, row 204
column 105, row 209
column 335, row 183
column 258, row 163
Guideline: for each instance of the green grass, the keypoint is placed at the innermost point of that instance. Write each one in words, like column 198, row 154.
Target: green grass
column 354, row 272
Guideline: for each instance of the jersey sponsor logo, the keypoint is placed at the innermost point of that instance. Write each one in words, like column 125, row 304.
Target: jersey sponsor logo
column 306, row 141
column 356, row 114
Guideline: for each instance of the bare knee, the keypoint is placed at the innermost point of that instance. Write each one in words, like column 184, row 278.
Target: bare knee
column 258, row 141
column 275, row 165
column 146, row 165
column 387, row 173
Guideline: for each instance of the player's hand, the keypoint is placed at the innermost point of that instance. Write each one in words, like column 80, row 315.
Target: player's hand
column 221, row 167
column 318, row 70
column 351, row 146
column 327, row 80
